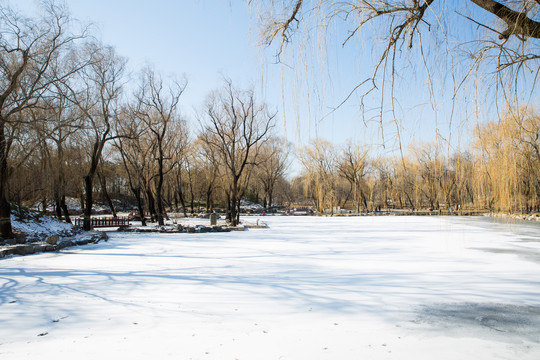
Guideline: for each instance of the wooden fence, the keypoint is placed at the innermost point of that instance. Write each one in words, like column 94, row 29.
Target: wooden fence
column 104, row 222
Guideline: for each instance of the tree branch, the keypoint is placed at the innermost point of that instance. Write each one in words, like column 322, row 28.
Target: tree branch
column 518, row 22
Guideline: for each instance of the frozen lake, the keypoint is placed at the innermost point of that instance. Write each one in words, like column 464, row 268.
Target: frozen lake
column 307, row 288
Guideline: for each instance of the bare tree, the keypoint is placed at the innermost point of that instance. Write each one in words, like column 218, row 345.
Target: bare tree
column 30, row 154
column 236, row 127
column 181, row 149
column 433, row 173
column 96, row 94
column 463, row 166
column 104, row 173
column 157, row 107
column 134, row 154
column 272, row 167
column 59, row 122
column 179, row 190
column 352, row 166
column 209, row 168
column 30, row 50
column 320, row 174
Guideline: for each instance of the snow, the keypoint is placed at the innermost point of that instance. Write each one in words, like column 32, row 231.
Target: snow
column 306, row 288
column 45, row 226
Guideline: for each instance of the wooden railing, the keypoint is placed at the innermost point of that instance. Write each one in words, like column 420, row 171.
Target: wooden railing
column 104, row 222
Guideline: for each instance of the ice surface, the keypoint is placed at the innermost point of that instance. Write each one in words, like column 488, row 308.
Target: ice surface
column 306, row 288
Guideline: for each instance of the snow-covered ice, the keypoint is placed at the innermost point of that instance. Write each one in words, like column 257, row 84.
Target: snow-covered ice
column 306, row 288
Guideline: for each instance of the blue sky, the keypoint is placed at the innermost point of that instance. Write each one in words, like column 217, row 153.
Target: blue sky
column 201, row 40
column 206, row 40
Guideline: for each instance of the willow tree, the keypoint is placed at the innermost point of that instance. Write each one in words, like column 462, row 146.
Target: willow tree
column 236, row 126
column 509, row 152
column 472, row 53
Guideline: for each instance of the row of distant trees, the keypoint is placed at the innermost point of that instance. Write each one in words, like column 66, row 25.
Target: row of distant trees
column 151, row 161
column 69, row 126
column 500, row 171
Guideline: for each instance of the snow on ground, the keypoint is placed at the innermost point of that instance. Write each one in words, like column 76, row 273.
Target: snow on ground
column 46, row 226
column 307, row 288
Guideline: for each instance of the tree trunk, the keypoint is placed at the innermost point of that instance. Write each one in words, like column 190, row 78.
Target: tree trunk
column 271, row 196
column 5, row 218
column 409, row 200
column 208, row 199
column 234, row 203
column 238, row 213
column 358, row 199
column 159, row 186
column 103, row 183
column 192, row 199
column 64, row 208
column 88, row 201
column 138, row 197
column 44, row 205
column 81, row 201
column 180, row 192
column 60, row 185
column 229, row 212
column 57, row 206
column 5, row 208
column 151, row 204
column 160, row 211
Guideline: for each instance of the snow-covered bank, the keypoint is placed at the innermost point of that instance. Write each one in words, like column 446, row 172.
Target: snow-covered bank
column 35, row 233
column 307, row 288
column 527, row 217
column 41, row 227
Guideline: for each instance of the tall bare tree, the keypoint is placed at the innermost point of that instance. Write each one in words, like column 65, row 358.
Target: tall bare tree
column 30, row 49
column 272, row 167
column 134, row 154
column 352, row 165
column 157, row 107
column 209, row 169
column 236, row 126
column 320, row 174
column 96, row 94
column 60, row 121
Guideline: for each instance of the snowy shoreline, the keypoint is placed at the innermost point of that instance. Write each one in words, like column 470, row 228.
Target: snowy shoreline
column 525, row 217
column 45, row 234
column 34, row 236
